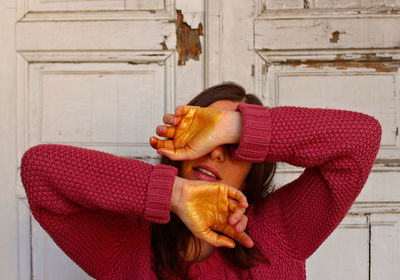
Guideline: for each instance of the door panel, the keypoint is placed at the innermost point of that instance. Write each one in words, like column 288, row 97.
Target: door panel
column 337, row 58
column 96, row 5
column 88, row 70
column 330, row 4
column 340, row 85
column 385, row 246
column 329, row 54
column 100, row 75
column 49, row 261
column 324, row 31
column 345, row 254
column 97, row 105
column 95, row 35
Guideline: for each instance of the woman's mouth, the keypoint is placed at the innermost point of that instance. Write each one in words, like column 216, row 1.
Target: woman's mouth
column 206, row 174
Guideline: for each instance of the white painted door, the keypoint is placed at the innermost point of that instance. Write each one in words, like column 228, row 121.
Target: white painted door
column 329, row 54
column 88, row 71
column 98, row 74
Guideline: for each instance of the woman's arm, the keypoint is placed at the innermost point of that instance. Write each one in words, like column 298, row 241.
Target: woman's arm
column 91, row 203
column 337, row 148
column 96, row 206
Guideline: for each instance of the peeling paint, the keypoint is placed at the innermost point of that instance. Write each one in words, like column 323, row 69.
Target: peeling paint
column 393, row 11
column 374, row 57
column 335, row 37
column 164, row 44
column 153, row 54
column 380, row 64
column 388, row 162
column 188, row 40
column 142, row 62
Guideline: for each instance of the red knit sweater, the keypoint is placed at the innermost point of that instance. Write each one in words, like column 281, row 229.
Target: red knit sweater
column 99, row 208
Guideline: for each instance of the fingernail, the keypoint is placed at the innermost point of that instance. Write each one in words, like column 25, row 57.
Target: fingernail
column 234, row 221
column 240, row 228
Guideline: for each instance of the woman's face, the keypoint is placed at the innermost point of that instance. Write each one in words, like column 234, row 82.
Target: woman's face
column 218, row 165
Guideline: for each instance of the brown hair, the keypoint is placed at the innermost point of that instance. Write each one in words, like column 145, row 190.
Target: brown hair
column 169, row 239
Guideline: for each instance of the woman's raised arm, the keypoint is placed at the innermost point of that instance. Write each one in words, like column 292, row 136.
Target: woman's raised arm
column 95, row 205
column 337, row 148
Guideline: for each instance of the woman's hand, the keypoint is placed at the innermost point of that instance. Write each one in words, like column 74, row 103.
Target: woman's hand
column 196, row 131
column 213, row 212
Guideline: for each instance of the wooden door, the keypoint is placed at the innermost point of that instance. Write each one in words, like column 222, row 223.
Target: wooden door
column 329, row 54
column 88, row 71
column 98, row 74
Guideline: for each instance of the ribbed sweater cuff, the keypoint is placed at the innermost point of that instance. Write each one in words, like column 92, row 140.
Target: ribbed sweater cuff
column 256, row 133
column 159, row 194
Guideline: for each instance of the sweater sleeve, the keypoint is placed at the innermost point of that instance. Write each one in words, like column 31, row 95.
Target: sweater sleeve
column 91, row 202
column 337, row 149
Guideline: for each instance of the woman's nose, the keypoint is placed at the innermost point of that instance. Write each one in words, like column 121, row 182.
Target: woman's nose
column 218, row 153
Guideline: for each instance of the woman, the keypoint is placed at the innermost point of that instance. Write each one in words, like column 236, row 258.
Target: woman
column 108, row 213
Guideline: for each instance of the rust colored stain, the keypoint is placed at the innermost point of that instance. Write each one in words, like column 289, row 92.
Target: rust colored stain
column 164, row 44
column 187, row 40
column 335, row 37
column 380, row 64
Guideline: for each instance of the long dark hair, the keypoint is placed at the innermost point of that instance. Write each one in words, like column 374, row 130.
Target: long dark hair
column 169, row 239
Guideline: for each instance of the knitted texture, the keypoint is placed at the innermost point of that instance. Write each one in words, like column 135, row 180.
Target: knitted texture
column 91, row 203
column 256, row 133
column 99, row 208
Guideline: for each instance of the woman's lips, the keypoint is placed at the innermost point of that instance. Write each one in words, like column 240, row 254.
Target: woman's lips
column 201, row 173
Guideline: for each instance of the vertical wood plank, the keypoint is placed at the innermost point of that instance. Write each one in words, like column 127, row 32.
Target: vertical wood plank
column 385, row 246
column 213, row 49
column 344, row 255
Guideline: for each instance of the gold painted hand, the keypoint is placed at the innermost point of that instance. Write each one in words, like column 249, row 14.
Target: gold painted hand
column 205, row 209
column 192, row 133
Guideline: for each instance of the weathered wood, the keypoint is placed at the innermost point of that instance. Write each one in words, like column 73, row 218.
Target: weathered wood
column 82, row 65
column 327, row 33
column 188, row 43
column 96, row 5
column 95, row 35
